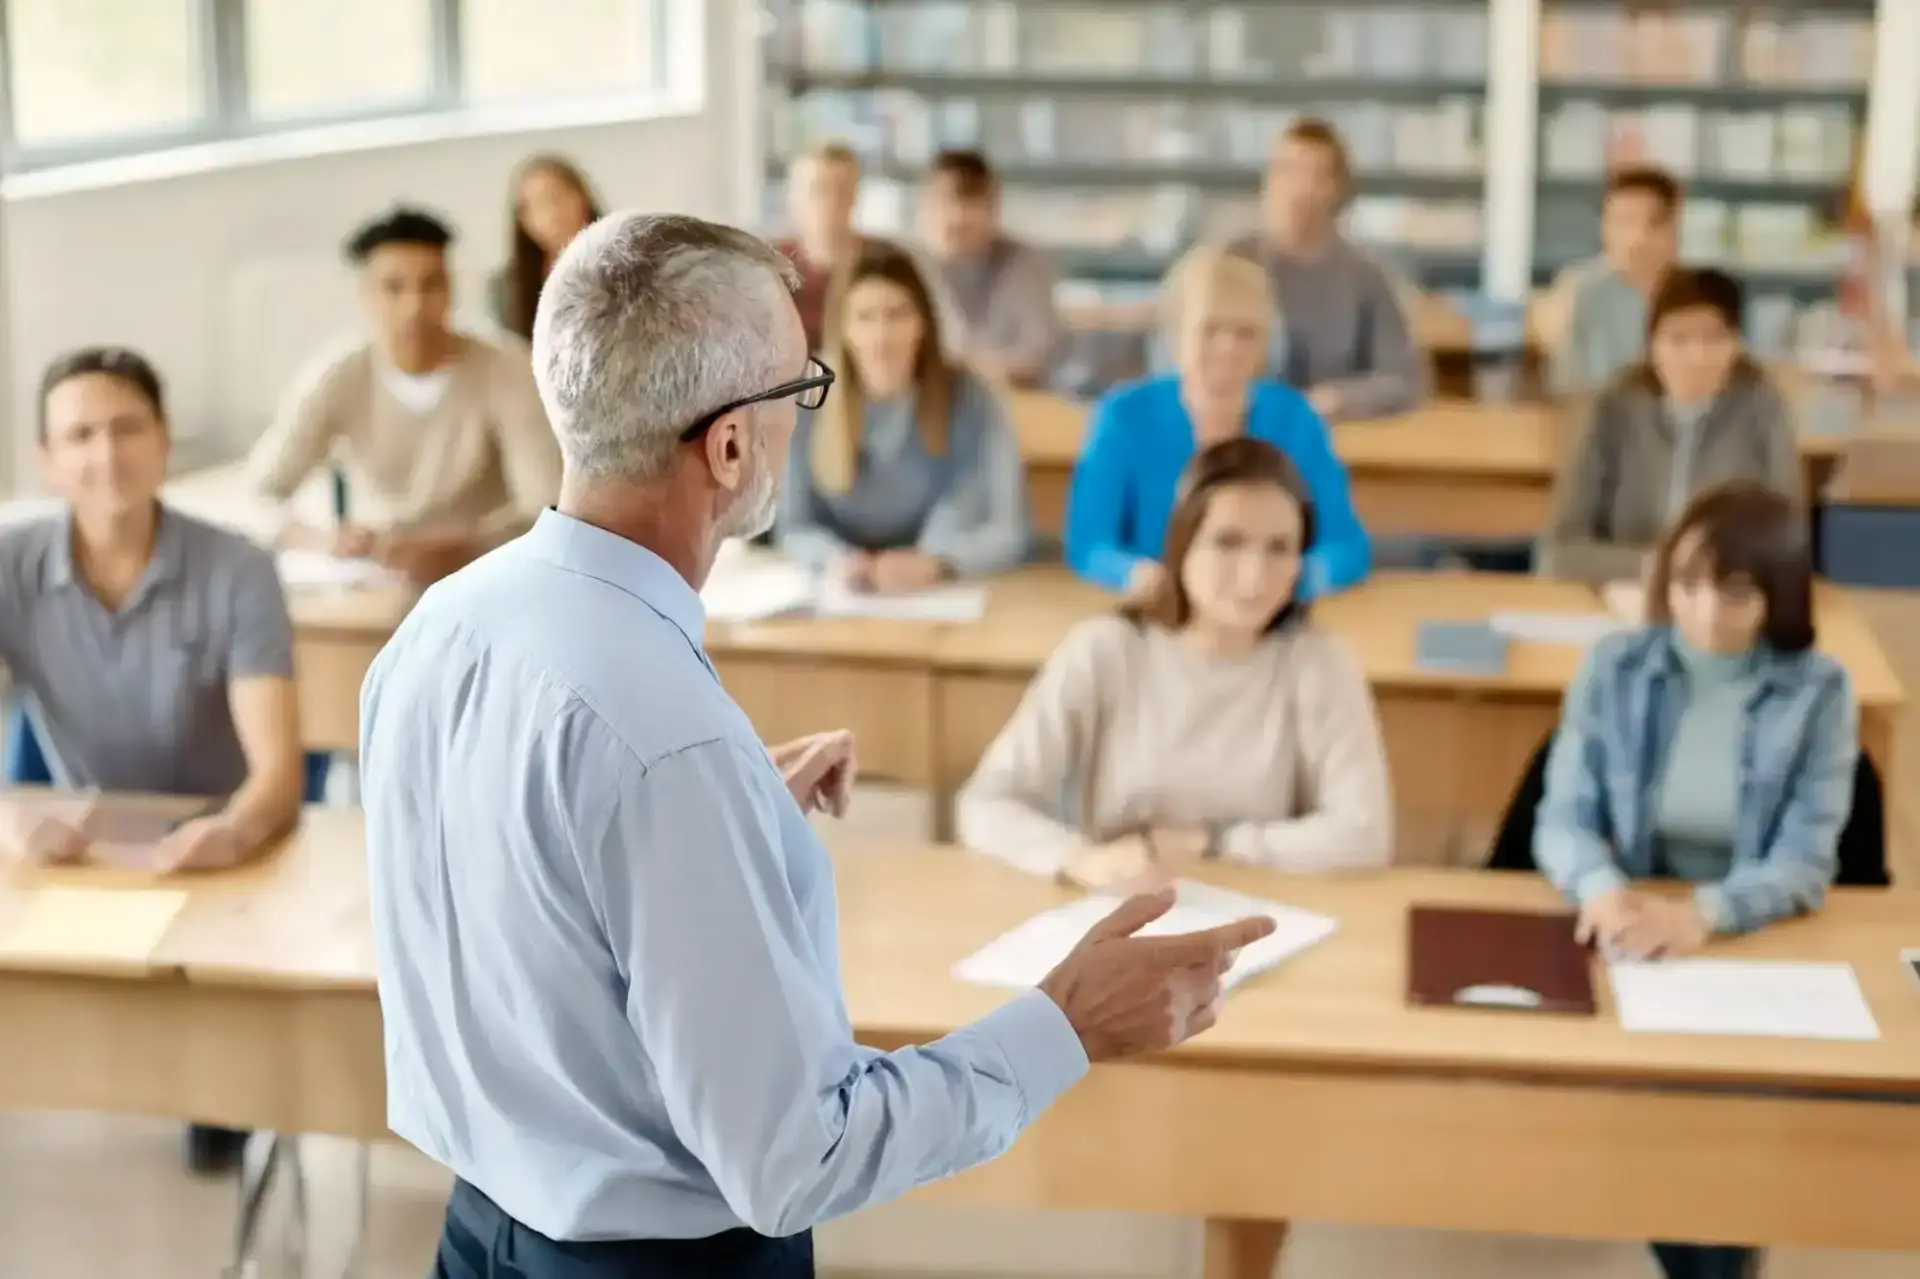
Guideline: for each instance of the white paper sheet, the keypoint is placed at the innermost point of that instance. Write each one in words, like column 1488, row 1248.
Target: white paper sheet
column 312, row 570
column 1743, row 997
column 1580, row 629
column 753, row 590
column 941, row 604
column 1022, row 956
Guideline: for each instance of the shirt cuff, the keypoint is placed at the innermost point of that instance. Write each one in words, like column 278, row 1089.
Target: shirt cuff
column 1597, row 882
column 1041, row 1048
column 1710, row 900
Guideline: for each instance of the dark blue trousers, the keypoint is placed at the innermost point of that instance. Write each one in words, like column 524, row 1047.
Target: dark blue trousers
column 481, row 1242
column 1706, row 1261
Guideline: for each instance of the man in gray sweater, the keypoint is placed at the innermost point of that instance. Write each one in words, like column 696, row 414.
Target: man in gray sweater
column 1341, row 335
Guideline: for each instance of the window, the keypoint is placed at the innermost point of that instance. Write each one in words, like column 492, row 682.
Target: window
column 308, row 58
column 81, row 69
column 526, row 49
column 86, row 79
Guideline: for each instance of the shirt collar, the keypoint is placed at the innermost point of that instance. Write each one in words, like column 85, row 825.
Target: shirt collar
column 169, row 554
column 593, row 552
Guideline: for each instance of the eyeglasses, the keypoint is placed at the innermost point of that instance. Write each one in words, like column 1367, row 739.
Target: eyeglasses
column 810, row 389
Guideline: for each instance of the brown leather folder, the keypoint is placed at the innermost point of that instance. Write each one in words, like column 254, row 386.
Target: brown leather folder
column 1501, row 959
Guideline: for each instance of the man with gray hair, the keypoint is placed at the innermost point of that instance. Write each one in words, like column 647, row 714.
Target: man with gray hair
column 606, row 932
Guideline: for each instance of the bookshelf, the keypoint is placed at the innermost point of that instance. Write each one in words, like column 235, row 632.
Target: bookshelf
column 1125, row 129
column 1758, row 107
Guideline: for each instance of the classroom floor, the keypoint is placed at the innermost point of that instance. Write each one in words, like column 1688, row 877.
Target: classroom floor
column 88, row 1196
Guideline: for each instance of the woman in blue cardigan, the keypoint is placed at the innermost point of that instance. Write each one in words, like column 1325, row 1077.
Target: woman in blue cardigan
column 1219, row 311
column 1713, row 747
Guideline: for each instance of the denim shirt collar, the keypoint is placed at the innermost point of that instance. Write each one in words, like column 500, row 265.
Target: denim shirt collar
column 1775, row 671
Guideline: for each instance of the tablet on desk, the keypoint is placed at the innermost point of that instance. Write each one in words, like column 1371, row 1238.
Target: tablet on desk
column 1471, row 648
column 124, row 820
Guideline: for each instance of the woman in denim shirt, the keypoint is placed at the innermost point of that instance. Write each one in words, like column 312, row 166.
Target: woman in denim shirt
column 1713, row 746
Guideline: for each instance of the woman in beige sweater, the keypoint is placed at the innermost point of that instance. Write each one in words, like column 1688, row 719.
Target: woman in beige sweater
column 1208, row 720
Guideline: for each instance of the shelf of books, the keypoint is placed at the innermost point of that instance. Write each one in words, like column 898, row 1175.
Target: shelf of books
column 1758, row 108
column 1126, row 130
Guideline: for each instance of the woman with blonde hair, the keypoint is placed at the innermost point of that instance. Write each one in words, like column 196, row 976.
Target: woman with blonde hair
column 1218, row 313
column 910, row 475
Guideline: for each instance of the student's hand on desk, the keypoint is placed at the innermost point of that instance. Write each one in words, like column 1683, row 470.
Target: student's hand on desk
column 1626, row 601
column 855, row 571
column 1124, row 994
column 30, row 834
column 205, row 843
column 820, row 770
column 1173, row 845
column 1606, row 918
column 1325, row 400
column 1662, row 928
column 899, row 572
column 1126, row 862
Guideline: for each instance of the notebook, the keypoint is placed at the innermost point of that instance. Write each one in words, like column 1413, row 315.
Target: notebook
column 1474, row 648
column 1519, row 960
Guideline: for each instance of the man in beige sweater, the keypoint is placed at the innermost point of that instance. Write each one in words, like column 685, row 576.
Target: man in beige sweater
column 438, row 436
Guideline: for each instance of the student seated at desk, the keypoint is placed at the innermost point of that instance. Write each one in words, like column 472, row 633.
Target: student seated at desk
column 552, row 203
column 1713, row 746
column 1142, row 435
column 440, row 434
column 1003, row 288
column 823, row 188
column 1207, row 719
column 909, row 474
column 1697, row 412
column 1344, row 339
column 154, row 652
column 1607, row 314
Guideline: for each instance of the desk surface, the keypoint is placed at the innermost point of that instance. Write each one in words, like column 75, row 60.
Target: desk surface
column 1032, row 609
column 1514, row 441
column 908, row 914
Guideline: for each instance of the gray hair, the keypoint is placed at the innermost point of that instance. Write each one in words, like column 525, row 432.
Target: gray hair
column 647, row 322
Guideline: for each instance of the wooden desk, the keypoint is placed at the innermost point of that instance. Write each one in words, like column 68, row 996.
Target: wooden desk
column 1319, row 1096
column 1448, row 799
column 1447, row 469
column 925, row 699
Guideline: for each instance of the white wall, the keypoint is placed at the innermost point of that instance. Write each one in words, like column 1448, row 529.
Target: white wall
column 227, row 277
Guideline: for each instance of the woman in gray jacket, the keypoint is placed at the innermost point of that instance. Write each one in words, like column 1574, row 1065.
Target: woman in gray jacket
column 1695, row 413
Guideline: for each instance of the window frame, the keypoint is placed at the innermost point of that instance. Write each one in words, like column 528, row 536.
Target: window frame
column 229, row 116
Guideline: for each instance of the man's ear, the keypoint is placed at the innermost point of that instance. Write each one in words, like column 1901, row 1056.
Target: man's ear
column 726, row 450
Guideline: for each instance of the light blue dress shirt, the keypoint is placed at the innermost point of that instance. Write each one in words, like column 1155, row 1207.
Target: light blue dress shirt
column 607, row 937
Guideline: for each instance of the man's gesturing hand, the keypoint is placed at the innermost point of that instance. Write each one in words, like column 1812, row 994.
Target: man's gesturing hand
column 1125, row 995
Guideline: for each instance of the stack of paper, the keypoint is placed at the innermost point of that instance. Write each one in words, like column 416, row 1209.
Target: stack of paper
column 753, row 590
column 1580, row 629
column 1022, row 957
column 940, row 604
column 1743, row 997
column 314, row 570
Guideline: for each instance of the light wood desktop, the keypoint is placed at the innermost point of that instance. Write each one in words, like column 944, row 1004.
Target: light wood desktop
column 924, row 699
column 1448, row 469
column 1319, row 1096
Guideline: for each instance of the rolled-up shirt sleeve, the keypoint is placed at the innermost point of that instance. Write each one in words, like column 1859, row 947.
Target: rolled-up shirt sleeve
column 743, row 1022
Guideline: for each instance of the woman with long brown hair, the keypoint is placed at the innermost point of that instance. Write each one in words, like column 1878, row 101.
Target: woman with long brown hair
column 552, row 203
column 910, row 473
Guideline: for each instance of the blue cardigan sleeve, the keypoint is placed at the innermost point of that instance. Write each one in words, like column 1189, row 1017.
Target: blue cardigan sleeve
column 1341, row 554
column 1095, row 529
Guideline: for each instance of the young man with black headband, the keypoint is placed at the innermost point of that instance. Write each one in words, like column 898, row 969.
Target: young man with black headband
column 439, row 435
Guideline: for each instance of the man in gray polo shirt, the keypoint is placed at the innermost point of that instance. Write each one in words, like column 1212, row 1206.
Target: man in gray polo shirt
column 154, row 651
